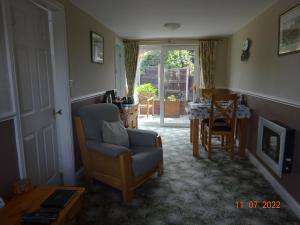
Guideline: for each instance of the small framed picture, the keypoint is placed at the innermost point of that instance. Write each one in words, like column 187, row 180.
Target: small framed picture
column 289, row 31
column 96, row 48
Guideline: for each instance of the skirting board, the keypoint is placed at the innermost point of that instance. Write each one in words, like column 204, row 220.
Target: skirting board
column 281, row 191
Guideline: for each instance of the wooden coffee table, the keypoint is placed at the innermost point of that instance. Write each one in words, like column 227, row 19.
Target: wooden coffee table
column 31, row 201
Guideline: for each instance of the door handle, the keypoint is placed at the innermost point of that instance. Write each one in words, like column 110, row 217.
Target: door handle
column 56, row 113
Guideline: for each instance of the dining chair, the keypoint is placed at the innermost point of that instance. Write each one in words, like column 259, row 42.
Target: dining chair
column 207, row 93
column 222, row 119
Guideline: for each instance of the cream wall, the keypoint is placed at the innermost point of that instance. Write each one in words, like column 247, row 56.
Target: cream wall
column 265, row 72
column 88, row 78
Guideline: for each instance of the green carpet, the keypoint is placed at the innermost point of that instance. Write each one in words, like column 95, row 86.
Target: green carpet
column 190, row 192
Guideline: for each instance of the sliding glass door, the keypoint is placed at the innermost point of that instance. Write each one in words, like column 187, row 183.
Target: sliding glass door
column 165, row 79
column 178, row 76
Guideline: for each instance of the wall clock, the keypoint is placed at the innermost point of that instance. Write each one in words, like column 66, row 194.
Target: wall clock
column 245, row 49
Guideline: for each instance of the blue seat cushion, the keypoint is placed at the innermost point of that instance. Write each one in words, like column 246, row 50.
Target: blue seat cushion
column 145, row 158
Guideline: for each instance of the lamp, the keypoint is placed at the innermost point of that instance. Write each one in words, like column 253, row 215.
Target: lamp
column 172, row 26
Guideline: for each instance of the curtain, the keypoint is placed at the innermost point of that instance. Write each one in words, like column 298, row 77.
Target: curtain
column 207, row 57
column 131, row 57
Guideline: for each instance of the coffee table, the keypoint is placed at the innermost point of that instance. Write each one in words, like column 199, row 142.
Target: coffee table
column 31, row 201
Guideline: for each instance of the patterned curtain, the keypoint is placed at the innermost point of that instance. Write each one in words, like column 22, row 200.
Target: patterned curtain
column 207, row 57
column 131, row 57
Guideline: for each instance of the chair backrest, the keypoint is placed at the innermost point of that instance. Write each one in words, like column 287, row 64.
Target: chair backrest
column 92, row 117
column 143, row 97
column 223, row 106
column 207, row 92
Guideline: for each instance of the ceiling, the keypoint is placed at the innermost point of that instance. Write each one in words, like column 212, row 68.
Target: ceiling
column 144, row 19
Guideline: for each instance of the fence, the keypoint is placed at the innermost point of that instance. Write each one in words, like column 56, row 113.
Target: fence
column 178, row 82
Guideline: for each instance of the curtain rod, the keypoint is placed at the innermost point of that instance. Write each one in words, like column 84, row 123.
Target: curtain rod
column 176, row 41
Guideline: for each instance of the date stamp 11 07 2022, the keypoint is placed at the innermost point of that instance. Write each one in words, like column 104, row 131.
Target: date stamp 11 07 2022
column 252, row 204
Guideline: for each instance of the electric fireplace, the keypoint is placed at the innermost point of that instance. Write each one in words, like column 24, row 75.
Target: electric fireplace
column 275, row 145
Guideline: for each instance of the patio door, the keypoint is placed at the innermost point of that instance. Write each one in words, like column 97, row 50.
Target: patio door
column 165, row 79
column 178, row 75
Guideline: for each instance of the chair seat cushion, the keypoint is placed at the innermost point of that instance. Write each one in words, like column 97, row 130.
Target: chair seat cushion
column 115, row 133
column 145, row 158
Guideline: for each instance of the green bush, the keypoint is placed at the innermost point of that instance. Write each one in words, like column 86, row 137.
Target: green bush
column 146, row 88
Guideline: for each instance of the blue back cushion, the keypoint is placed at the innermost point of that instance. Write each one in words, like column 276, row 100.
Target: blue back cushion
column 92, row 117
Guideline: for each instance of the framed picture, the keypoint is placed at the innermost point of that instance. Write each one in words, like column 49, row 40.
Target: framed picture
column 289, row 31
column 96, row 48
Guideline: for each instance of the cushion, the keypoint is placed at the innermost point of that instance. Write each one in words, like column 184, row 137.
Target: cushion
column 138, row 137
column 139, row 149
column 92, row 116
column 145, row 159
column 105, row 148
column 115, row 133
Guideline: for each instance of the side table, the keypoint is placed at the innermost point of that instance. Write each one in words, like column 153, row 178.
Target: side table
column 29, row 202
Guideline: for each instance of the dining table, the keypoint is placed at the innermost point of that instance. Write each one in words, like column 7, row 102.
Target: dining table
column 198, row 111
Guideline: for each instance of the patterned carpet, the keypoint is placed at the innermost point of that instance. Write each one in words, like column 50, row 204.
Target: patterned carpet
column 190, row 192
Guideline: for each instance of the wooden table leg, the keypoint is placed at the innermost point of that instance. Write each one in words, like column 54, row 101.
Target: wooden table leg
column 196, row 138
column 191, row 131
column 243, row 137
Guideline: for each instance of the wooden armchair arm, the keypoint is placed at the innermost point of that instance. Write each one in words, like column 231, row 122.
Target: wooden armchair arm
column 158, row 141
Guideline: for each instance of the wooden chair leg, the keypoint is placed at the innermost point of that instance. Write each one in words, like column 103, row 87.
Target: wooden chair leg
column 152, row 108
column 209, row 147
column 127, row 196
column 196, row 138
column 205, row 140
column 227, row 141
column 147, row 109
column 233, row 145
column 191, row 131
column 202, row 133
column 161, row 169
column 222, row 140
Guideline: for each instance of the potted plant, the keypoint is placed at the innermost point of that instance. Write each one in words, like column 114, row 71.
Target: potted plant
column 172, row 107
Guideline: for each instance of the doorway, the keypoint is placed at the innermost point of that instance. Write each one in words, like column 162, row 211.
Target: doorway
column 35, row 39
column 164, row 84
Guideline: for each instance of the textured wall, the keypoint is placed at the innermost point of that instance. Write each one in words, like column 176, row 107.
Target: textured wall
column 269, row 74
column 265, row 72
column 88, row 77
column 287, row 115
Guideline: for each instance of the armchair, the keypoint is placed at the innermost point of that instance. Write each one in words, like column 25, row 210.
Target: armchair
column 118, row 166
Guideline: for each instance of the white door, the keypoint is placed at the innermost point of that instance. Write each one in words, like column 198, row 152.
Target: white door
column 35, row 91
column 178, row 74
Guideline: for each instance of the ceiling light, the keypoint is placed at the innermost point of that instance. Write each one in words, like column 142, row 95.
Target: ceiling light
column 172, row 26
